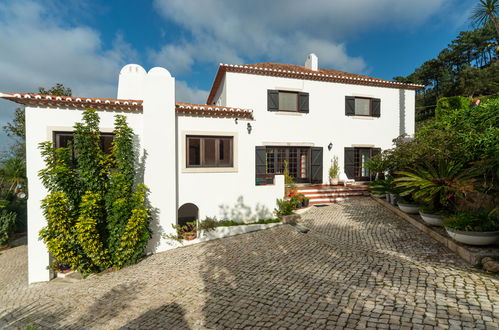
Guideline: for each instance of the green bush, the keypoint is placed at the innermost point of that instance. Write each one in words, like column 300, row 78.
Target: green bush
column 473, row 220
column 448, row 105
column 97, row 217
column 285, row 207
column 7, row 223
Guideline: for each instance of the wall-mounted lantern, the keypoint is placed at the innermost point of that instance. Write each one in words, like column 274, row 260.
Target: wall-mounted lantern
column 235, row 120
column 330, row 146
column 249, row 128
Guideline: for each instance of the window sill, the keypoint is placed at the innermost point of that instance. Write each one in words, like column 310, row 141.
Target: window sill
column 363, row 117
column 289, row 113
column 209, row 170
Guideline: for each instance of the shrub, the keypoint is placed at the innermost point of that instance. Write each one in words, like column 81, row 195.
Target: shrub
column 7, row 223
column 473, row 220
column 96, row 216
column 440, row 187
column 334, row 170
column 284, row 207
column 448, row 105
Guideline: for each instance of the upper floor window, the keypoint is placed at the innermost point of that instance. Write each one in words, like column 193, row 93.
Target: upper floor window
column 362, row 106
column 65, row 139
column 209, row 151
column 287, row 101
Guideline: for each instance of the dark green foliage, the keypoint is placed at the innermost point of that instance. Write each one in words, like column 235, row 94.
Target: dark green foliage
column 473, row 220
column 284, row 207
column 467, row 67
column 97, row 216
column 7, row 223
column 57, row 90
column 446, row 105
column 91, row 164
column 440, row 187
column 119, row 194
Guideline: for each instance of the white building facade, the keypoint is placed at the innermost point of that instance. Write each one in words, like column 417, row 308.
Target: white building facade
column 225, row 159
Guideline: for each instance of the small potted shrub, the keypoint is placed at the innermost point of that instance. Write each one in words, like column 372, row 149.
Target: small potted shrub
column 473, row 227
column 439, row 186
column 187, row 231
column 305, row 201
column 334, row 171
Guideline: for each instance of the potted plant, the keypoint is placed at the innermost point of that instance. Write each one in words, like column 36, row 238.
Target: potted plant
column 439, row 187
column 187, row 231
column 305, row 201
column 431, row 216
column 377, row 165
column 297, row 200
column 473, row 227
column 408, row 206
column 334, row 171
column 289, row 181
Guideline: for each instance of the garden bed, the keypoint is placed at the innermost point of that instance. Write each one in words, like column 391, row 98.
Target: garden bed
column 471, row 254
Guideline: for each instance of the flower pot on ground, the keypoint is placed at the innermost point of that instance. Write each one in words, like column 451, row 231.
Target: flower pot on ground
column 189, row 236
column 473, row 237
column 473, row 227
column 393, row 199
column 431, row 216
column 334, row 181
column 408, row 207
column 431, row 219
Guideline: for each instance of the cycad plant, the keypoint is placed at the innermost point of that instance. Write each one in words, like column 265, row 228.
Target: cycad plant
column 440, row 187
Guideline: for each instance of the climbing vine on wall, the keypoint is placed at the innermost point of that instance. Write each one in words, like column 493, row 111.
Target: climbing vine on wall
column 97, row 215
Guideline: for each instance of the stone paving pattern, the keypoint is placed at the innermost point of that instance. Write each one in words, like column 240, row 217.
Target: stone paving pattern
column 360, row 266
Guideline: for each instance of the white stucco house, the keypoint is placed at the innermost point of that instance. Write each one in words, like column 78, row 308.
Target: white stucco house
column 225, row 158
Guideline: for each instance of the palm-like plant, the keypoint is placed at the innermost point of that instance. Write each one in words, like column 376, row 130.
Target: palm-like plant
column 13, row 173
column 440, row 187
column 486, row 11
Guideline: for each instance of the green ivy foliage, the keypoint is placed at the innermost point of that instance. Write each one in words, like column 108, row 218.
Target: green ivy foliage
column 7, row 222
column 97, row 215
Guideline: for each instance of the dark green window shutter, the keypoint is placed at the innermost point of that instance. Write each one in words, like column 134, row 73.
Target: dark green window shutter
column 349, row 106
column 316, row 164
column 260, row 165
column 350, row 162
column 376, row 104
column 303, row 102
column 272, row 100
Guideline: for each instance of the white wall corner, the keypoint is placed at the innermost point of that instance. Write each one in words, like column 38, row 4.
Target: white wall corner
column 160, row 143
column 131, row 82
column 312, row 62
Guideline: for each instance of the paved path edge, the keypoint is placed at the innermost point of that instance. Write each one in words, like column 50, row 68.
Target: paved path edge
column 461, row 251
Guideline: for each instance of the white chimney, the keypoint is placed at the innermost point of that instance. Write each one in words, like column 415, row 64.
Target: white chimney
column 312, row 62
column 131, row 82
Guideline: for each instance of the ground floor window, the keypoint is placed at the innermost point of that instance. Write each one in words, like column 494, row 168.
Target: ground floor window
column 304, row 163
column 209, row 151
column 65, row 140
column 355, row 161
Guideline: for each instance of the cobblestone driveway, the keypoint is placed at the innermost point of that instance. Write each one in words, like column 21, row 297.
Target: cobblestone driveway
column 360, row 266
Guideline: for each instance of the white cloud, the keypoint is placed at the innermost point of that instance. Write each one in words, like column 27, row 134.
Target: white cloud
column 281, row 30
column 185, row 93
column 38, row 50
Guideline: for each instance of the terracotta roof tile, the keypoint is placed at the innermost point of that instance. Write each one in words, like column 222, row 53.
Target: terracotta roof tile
column 301, row 72
column 188, row 109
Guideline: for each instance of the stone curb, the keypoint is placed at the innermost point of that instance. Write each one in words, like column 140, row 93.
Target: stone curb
column 461, row 251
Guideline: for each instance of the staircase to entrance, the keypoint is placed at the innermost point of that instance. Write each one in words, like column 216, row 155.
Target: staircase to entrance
column 323, row 194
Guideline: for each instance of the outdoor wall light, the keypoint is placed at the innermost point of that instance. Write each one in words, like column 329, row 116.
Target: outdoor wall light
column 235, row 120
column 330, row 146
column 249, row 128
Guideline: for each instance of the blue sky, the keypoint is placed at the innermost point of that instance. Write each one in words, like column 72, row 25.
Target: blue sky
column 84, row 43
